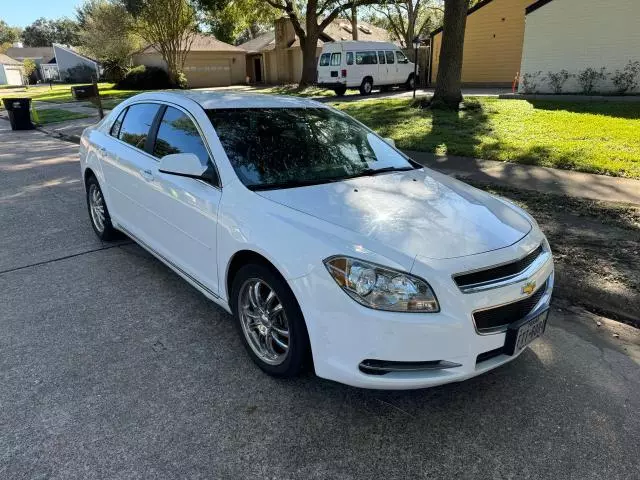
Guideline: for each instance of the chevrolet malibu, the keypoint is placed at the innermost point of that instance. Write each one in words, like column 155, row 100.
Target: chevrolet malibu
column 328, row 245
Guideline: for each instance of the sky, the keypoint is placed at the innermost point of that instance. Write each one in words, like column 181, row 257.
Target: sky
column 20, row 13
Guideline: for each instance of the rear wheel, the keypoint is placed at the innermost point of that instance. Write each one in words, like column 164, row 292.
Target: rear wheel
column 366, row 86
column 340, row 91
column 270, row 320
column 98, row 211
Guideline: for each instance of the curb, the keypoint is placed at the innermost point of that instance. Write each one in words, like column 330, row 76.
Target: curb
column 61, row 136
column 571, row 97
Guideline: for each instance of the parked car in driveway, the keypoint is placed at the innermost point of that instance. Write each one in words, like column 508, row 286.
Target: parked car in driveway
column 328, row 245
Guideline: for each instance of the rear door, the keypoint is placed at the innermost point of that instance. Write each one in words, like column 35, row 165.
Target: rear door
column 392, row 66
column 384, row 76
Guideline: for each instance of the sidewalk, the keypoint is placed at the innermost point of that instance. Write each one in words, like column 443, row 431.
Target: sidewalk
column 525, row 177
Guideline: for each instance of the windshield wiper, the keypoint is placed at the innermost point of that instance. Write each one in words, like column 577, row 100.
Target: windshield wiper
column 291, row 184
column 370, row 172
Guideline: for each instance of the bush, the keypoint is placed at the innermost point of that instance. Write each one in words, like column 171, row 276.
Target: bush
column 114, row 70
column 530, row 82
column 145, row 78
column 557, row 80
column 589, row 77
column 626, row 79
column 182, row 81
column 78, row 74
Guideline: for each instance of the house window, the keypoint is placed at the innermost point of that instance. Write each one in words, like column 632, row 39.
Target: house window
column 324, row 59
column 336, row 59
column 366, row 58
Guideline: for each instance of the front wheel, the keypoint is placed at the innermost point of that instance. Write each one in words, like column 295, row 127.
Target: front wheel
column 98, row 211
column 270, row 320
column 411, row 82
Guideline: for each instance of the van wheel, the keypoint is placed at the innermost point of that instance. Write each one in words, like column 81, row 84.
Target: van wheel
column 411, row 82
column 340, row 91
column 366, row 86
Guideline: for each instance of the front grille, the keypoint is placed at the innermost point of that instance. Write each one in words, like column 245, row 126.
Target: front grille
column 495, row 318
column 497, row 273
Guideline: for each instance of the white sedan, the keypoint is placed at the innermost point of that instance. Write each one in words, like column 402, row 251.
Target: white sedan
column 329, row 246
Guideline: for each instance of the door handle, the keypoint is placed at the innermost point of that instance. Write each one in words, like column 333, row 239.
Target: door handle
column 147, row 175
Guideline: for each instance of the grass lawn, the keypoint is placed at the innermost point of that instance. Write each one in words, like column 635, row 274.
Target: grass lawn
column 599, row 137
column 54, row 115
column 61, row 93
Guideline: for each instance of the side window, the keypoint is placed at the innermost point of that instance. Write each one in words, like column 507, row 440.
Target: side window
column 390, row 57
column 136, row 124
column 381, row 58
column 324, row 59
column 349, row 58
column 336, row 59
column 178, row 134
column 366, row 58
column 401, row 57
column 115, row 128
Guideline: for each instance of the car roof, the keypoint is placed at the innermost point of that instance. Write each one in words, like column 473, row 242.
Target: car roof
column 230, row 99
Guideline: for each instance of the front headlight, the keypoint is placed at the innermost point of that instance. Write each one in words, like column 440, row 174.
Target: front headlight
column 382, row 288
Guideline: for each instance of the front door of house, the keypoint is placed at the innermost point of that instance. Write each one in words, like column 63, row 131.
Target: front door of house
column 257, row 70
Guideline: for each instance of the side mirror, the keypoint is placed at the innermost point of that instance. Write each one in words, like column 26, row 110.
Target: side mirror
column 390, row 141
column 183, row 164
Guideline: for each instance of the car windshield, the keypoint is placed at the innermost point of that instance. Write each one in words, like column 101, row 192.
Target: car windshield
column 282, row 148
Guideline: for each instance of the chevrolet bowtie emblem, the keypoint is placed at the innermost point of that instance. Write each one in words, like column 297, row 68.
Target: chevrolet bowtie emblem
column 529, row 287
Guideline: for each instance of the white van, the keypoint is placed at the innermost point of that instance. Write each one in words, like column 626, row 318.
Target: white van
column 363, row 65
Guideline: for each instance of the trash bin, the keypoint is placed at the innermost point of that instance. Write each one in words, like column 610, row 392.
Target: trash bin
column 19, row 110
column 83, row 92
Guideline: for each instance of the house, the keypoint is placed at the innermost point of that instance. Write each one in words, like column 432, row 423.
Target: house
column 209, row 63
column 492, row 43
column 10, row 71
column 276, row 57
column 58, row 62
column 574, row 35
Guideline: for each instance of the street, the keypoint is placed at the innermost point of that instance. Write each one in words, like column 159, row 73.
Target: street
column 111, row 366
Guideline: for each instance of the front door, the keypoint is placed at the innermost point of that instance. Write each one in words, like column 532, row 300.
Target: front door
column 257, row 69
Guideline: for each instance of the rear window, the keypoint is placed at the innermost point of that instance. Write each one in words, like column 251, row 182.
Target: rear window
column 336, row 59
column 366, row 58
column 324, row 59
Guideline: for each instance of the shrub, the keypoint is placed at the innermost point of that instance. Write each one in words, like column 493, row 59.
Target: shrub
column 626, row 79
column 589, row 77
column 557, row 80
column 78, row 74
column 182, row 81
column 145, row 78
column 114, row 70
column 530, row 82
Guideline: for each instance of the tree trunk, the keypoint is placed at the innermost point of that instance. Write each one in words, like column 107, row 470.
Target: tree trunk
column 309, row 45
column 354, row 23
column 448, row 93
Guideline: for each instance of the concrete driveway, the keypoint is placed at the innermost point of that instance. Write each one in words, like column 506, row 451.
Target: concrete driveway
column 111, row 366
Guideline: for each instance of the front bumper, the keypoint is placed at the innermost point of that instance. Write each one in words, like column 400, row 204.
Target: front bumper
column 344, row 334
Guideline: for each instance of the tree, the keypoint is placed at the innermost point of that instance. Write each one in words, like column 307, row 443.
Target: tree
column 237, row 21
column 316, row 15
column 28, row 68
column 106, row 33
column 8, row 35
column 44, row 33
column 168, row 25
column 448, row 92
column 407, row 19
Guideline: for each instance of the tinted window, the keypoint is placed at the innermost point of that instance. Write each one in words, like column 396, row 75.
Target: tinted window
column 401, row 57
column 336, row 59
column 178, row 134
column 390, row 58
column 115, row 128
column 136, row 124
column 366, row 58
column 279, row 148
column 324, row 59
column 381, row 57
column 349, row 58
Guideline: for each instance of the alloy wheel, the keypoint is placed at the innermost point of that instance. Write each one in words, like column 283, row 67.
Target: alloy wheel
column 96, row 206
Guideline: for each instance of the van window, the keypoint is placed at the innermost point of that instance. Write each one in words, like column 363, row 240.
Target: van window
column 381, row 58
column 324, row 59
column 349, row 58
column 390, row 57
column 366, row 58
column 401, row 57
column 336, row 59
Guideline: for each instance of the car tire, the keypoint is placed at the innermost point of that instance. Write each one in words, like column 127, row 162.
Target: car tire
column 258, row 332
column 366, row 86
column 98, row 211
column 410, row 83
column 340, row 91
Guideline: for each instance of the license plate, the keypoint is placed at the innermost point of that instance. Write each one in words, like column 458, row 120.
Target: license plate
column 525, row 332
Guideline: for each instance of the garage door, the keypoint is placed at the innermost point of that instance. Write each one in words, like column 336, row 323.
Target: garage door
column 14, row 76
column 208, row 73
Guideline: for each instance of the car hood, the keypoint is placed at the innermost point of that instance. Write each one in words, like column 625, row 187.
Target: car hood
column 418, row 212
